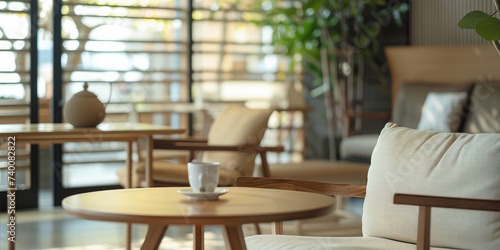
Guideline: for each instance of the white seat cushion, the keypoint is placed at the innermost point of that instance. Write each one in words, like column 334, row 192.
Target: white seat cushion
column 433, row 163
column 274, row 242
column 358, row 146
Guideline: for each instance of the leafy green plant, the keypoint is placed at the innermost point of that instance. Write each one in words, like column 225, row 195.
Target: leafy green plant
column 303, row 27
column 487, row 26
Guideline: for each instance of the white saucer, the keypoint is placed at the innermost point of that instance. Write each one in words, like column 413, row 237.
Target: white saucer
column 207, row 196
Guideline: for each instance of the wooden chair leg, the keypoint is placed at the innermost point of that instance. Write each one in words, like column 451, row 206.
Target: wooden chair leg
column 424, row 228
column 257, row 228
column 154, row 236
column 277, row 227
column 265, row 166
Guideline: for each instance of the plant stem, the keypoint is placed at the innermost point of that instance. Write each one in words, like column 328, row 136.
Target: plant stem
column 497, row 42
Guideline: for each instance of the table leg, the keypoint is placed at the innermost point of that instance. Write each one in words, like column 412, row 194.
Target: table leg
column 128, row 230
column 128, row 236
column 149, row 161
column 198, row 236
column 129, row 164
column 154, row 236
column 233, row 236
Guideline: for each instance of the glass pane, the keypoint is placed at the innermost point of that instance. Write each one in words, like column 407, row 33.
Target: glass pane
column 15, row 83
column 133, row 56
column 234, row 61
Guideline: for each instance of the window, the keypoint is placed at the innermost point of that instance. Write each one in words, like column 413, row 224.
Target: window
column 18, row 87
column 133, row 56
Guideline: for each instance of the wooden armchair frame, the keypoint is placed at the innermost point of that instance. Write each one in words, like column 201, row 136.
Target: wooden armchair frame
column 424, row 202
column 193, row 145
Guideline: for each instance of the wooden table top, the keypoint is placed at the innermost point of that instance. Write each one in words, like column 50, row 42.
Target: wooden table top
column 166, row 206
column 65, row 132
column 57, row 128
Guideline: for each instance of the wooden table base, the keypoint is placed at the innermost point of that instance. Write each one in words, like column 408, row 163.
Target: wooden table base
column 154, row 236
column 233, row 237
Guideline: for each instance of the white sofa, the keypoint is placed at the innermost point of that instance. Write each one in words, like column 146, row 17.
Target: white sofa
column 419, row 162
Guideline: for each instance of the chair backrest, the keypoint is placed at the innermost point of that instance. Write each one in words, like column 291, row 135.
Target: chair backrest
column 431, row 163
column 237, row 125
column 412, row 96
column 303, row 186
column 483, row 112
column 441, row 64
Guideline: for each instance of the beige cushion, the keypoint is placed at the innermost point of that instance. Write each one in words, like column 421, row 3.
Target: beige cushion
column 358, row 146
column 411, row 98
column 168, row 172
column 484, row 111
column 236, row 125
column 432, row 163
column 288, row 242
column 323, row 171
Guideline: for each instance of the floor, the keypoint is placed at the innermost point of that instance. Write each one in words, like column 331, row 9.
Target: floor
column 50, row 228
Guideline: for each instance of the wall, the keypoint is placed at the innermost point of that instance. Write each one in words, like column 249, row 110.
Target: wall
column 435, row 22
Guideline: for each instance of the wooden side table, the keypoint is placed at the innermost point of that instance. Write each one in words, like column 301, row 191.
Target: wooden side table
column 160, row 207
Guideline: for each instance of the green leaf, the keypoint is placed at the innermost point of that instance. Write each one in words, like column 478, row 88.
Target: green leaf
column 470, row 20
column 489, row 29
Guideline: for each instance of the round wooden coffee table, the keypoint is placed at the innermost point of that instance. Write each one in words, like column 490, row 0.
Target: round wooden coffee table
column 160, row 207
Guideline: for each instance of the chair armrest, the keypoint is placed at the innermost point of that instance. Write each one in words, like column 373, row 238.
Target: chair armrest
column 424, row 214
column 304, row 186
column 240, row 148
column 368, row 115
column 170, row 143
column 203, row 146
column 447, row 202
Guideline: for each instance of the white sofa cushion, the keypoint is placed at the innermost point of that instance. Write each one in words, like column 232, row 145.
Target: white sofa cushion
column 273, row 242
column 432, row 163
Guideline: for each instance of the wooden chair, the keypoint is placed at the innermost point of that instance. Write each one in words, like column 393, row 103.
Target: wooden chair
column 233, row 140
column 419, row 168
column 433, row 68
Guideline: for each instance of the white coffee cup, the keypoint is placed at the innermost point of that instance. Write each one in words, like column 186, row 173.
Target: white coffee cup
column 203, row 176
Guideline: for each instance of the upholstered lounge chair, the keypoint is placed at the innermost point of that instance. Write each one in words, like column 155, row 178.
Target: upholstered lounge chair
column 430, row 165
column 418, row 70
column 233, row 140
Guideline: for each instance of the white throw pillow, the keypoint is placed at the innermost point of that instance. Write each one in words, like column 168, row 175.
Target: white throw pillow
column 442, row 111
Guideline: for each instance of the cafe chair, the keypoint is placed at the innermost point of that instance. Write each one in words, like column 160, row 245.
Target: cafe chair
column 233, row 140
column 415, row 175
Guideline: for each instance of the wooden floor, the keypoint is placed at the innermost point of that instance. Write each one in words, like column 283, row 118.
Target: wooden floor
column 50, row 228
column 53, row 229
